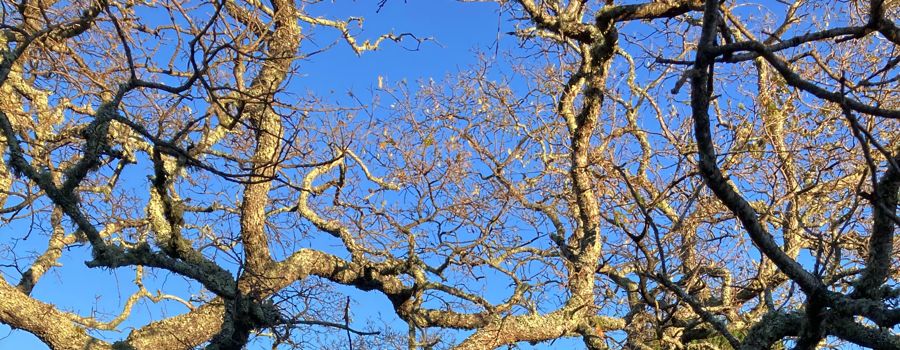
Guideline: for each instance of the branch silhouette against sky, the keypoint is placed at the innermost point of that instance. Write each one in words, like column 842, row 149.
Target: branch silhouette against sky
column 240, row 174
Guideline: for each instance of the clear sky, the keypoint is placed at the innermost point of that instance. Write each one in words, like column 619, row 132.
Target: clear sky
column 460, row 29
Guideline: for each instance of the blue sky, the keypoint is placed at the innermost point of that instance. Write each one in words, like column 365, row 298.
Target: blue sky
column 460, row 29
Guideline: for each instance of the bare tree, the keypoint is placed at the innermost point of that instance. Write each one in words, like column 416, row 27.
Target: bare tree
column 91, row 90
column 667, row 175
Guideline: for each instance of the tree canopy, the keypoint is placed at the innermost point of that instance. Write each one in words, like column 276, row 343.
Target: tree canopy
column 675, row 174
